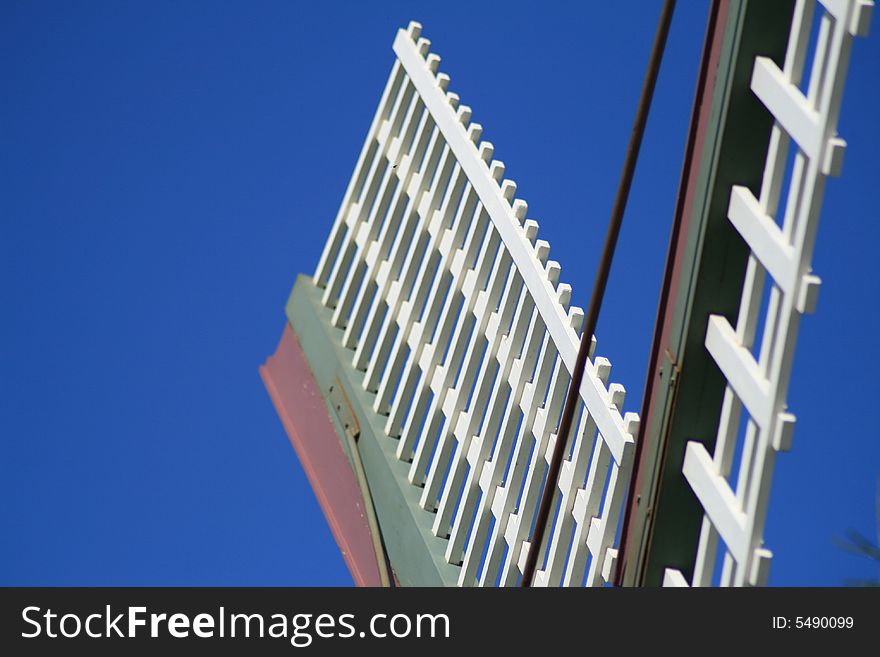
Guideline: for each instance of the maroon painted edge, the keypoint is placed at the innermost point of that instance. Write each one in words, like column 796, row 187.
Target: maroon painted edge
column 303, row 412
column 699, row 125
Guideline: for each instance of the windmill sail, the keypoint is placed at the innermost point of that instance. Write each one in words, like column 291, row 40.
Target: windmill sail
column 435, row 341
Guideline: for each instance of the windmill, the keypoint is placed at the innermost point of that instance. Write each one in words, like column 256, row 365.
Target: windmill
column 425, row 366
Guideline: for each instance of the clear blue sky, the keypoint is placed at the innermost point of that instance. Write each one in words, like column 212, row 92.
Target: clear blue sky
column 167, row 168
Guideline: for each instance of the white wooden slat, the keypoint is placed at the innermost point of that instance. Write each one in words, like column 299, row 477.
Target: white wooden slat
column 855, row 14
column 725, row 445
column 787, row 104
column 716, row 497
column 609, row 565
column 860, row 22
column 739, row 367
column 763, row 236
column 674, row 578
column 707, row 552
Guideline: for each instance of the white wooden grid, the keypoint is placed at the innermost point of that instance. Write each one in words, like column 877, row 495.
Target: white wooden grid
column 758, row 383
column 454, row 313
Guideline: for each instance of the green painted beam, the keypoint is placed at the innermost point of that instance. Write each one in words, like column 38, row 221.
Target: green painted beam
column 416, row 555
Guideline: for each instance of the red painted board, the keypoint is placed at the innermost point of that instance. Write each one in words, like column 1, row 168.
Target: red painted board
column 304, row 414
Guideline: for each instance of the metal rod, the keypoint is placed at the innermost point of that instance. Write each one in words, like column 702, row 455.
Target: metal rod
column 573, row 395
column 382, row 562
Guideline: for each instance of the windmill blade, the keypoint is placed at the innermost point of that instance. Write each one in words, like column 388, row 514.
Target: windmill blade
column 441, row 341
column 441, row 314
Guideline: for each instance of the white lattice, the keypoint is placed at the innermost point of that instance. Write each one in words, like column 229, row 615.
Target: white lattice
column 455, row 315
column 784, row 251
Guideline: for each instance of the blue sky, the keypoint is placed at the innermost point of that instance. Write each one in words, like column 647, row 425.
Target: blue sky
column 168, row 168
